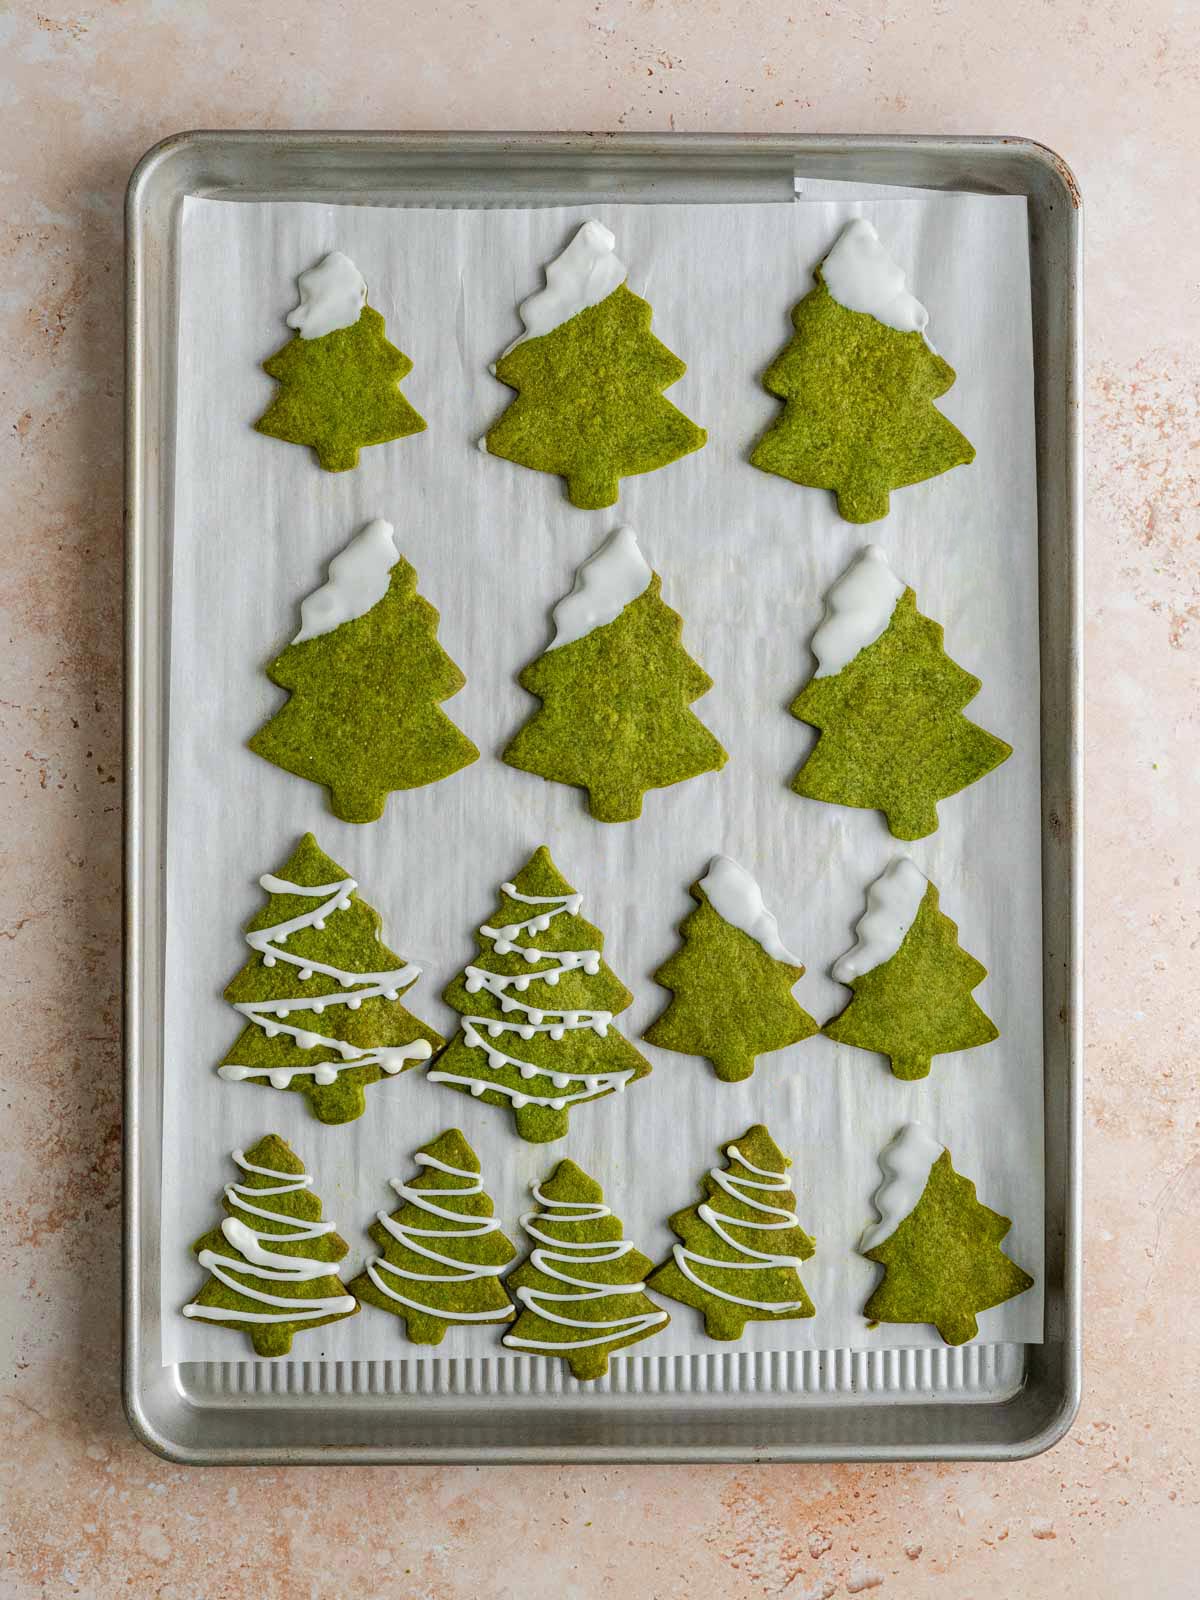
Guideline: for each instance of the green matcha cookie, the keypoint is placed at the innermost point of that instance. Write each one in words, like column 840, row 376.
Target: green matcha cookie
column 911, row 978
column 272, row 1259
column 743, row 1246
column 339, row 377
column 443, row 1251
column 732, row 980
column 321, row 993
column 589, row 376
column 859, row 381
column 938, row 1246
column 616, row 686
column 888, row 701
column 537, row 1009
column 366, row 675
column 580, row 1288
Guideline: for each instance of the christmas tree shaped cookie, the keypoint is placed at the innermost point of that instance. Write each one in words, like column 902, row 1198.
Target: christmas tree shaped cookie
column 938, row 1245
column 888, row 702
column 732, row 980
column 911, row 978
column 339, row 377
column 742, row 1246
column 321, row 993
column 537, row 1009
column 859, row 381
column 589, row 377
column 443, row 1251
column 581, row 1289
column 366, row 675
column 272, row 1261
column 616, row 687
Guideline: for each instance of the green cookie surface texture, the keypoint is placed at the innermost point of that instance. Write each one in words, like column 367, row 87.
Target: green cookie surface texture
column 732, row 979
column 442, row 1251
column 858, row 389
column 938, row 1245
column 339, row 378
column 888, row 702
column 321, row 993
column 581, row 1287
column 742, row 1247
column 616, row 687
column 366, row 674
column 272, row 1260
column 537, row 1009
column 589, row 377
column 910, row 977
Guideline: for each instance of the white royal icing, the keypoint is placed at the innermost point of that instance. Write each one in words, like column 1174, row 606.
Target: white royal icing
column 750, row 1189
column 269, row 1266
column 410, row 1236
column 332, row 295
column 906, row 1164
column 604, row 585
column 893, row 901
column 358, row 579
column 860, row 275
column 269, row 1014
column 550, row 1258
column 734, row 895
column 533, row 1019
column 585, row 273
column 857, row 610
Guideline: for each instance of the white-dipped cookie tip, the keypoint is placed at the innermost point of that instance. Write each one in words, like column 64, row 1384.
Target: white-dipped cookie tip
column 858, row 609
column 358, row 579
column 893, row 901
column 861, row 275
column 735, row 895
column 585, row 273
column 906, row 1164
column 332, row 295
column 604, row 585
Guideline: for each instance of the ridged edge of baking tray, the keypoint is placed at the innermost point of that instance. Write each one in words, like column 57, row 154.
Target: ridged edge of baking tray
column 990, row 1401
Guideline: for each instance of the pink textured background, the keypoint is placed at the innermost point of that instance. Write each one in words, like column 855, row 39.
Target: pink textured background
column 1113, row 87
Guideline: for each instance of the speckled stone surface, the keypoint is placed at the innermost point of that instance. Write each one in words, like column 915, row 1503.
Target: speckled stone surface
column 86, row 1511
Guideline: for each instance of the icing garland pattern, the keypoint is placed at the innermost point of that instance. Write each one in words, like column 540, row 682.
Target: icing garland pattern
column 268, row 1265
column 410, row 1237
column 269, row 1014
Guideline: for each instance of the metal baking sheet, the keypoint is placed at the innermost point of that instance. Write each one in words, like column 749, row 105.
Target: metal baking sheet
column 378, row 1401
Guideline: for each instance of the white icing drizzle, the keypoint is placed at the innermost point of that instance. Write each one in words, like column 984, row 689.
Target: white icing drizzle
column 559, row 1253
column 582, row 275
column 332, row 295
column 906, row 1164
column 604, row 585
column 857, row 610
column 269, row 1266
column 860, row 275
column 409, row 1236
column 269, row 1014
column 893, row 901
column 734, row 895
column 534, row 1019
column 358, row 579
column 764, row 1182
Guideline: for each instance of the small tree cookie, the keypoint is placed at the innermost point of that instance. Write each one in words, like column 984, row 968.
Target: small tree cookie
column 581, row 1287
column 590, row 375
column 938, row 1245
column 537, row 1009
column 366, row 674
column 616, row 686
column 443, row 1251
column 888, row 701
column 732, row 980
column 859, row 381
column 339, row 377
column 911, row 978
column 321, row 993
column 272, row 1260
column 742, row 1247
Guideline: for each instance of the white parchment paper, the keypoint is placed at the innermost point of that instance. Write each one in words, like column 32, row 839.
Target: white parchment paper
column 746, row 558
